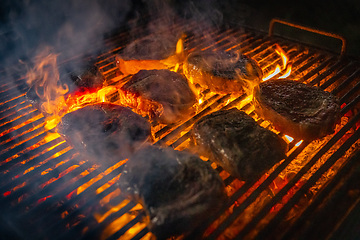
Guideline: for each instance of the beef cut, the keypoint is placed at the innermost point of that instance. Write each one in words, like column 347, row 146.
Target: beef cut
column 177, row 189
column 151, row 52
column 297, row 109
column 104, row 132
column 163, row 95
column 237, row 143
column 222, row 72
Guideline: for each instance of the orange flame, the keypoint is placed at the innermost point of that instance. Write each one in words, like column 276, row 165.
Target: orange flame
column 288, row 138
column 299, row 143
column 273, row 73
column 278, row 68
column 45, row 79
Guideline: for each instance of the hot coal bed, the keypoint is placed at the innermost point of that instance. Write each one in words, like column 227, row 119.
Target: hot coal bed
column 50, row 191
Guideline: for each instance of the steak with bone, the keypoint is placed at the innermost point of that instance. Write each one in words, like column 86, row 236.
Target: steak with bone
column 104, row 132
column 299, row 110
column 177, row 189
column 237, row 143
column 222, row 72
column 163, row 95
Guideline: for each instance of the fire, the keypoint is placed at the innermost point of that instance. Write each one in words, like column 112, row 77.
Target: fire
column 272, row 74
column 45, row 79
column 299, row 143
column 278, row 69
column 288, row 138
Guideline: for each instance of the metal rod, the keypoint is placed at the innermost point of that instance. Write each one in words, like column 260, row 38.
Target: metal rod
column 313, row 30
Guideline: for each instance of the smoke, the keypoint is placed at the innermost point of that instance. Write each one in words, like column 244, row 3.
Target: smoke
column 68, row 27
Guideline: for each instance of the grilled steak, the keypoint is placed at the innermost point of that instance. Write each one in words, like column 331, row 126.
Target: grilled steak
column 152, row 52
column 90, row 78
column 177, row 189
column 299, row 110
column 104, row 131
column 222, row 72
column 236, row 142
column 163, row 95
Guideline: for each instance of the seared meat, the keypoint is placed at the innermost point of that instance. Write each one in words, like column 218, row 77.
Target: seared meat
column 296, row 109
column 90, row 78
column 177, row 189
column 152, row 52
column 222, row 72
column 236, row 142
column 104, row 131
column 162, row 94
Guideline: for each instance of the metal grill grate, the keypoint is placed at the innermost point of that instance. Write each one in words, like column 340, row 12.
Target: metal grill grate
column 48, row 191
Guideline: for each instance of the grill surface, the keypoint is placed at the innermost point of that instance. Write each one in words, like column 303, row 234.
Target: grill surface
column 48, row 191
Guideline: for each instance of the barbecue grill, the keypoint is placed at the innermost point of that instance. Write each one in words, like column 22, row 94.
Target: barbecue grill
column 49, row 191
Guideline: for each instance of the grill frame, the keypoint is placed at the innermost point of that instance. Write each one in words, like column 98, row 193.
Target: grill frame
column 330, row 69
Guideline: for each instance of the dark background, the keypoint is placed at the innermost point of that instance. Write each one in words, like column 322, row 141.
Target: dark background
column 27, row 24
column 339, row 17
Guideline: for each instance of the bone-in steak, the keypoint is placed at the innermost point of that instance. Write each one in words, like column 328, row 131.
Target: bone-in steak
column 104, row 132
column 297, row 109
column 222, row 72
column 177, row 189
column 163, row 95
column 236, row 142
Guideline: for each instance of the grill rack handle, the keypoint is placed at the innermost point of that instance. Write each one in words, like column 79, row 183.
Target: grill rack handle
column 313, row 30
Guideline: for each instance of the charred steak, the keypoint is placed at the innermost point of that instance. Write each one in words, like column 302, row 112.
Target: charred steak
column 151, row 52
column 236, row 142
column 222, row 72
column 296, row 109
column 161, row 94
column 104, row 131
column 177, row 189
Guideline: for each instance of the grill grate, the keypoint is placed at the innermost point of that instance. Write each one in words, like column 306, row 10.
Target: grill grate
column 48, row 191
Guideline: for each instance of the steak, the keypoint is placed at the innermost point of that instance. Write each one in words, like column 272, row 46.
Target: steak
column 177, row 189
column 152, row 52
column 163, row 95
column 104, row 132
column 294, row 108
column 233, row 140
column 222, row 72
column 89, row 78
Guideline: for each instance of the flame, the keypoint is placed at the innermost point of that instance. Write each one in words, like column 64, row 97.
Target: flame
column 299, row 143
column 282, row 54
column 45, row 79
column 273, row 73
column 287, row 73
column 180, row 46
column 288, row 138
column 278, row 68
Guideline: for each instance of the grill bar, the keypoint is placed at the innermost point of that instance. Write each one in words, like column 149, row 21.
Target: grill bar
column 287, row 207
column 285, row 189
column 54, row 191
column 320, row 198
